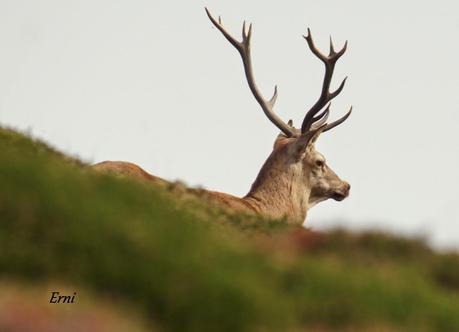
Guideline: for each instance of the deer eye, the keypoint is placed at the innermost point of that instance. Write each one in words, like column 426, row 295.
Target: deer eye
column 320, row 163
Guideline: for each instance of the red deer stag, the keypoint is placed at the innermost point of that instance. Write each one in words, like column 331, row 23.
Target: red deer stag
column 295, row 176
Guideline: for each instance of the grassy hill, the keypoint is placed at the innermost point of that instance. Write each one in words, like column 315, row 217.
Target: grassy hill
column 163, row 259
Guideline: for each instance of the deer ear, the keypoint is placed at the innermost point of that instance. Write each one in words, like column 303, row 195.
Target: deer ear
column 316, row 133
column 306, row 141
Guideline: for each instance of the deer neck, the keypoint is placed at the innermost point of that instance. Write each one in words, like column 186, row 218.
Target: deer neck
column 280, row 191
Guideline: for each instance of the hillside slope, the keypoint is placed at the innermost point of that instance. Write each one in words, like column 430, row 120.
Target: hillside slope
column 183, row 265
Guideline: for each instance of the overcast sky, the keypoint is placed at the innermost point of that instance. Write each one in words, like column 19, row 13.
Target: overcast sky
column 152, row 82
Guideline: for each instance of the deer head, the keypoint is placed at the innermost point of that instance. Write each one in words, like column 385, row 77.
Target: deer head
column 295, row 176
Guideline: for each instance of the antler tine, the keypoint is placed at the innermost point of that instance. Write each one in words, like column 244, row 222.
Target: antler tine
column 321, row 119
column 219, row 26
column 339, row 121
column 332, row 48
column 244, row 50
column 325, row 96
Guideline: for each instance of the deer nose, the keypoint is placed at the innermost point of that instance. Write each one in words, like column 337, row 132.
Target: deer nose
column 347, row 188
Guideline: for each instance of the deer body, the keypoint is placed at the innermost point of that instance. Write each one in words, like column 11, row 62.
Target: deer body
column 285, row 187
column 295, row 176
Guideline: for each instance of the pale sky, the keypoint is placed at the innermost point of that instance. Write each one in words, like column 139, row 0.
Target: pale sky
column 152, row 82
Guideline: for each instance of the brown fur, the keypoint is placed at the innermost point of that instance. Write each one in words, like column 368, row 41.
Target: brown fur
column 127, row 169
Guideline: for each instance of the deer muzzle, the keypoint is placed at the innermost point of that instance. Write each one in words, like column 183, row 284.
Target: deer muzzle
column 342, row 192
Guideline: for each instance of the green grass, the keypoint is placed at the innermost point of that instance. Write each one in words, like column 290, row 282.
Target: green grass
column 185, row 265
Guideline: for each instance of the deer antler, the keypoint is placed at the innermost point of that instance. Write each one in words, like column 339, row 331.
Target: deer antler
column 243, row 48
column 312, row 120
